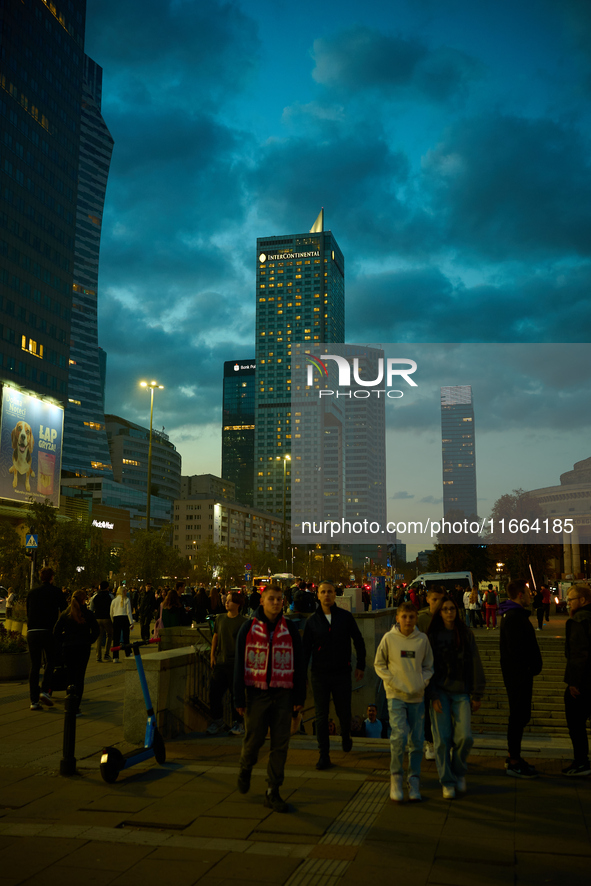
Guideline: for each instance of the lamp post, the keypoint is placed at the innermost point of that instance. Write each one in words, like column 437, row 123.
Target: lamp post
column 152, row 385
column 285, row 459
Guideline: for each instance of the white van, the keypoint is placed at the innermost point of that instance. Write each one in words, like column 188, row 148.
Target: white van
column 448, row 579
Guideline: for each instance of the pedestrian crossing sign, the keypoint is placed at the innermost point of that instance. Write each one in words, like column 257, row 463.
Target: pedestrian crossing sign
column 31, row 541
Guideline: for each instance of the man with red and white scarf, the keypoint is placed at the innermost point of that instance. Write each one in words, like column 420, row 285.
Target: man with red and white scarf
column 269, row 688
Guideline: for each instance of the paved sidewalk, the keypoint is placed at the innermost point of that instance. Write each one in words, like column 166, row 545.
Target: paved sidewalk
column 186, row 823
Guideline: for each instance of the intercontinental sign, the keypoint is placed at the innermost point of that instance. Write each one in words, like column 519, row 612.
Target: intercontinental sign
column 278, row 256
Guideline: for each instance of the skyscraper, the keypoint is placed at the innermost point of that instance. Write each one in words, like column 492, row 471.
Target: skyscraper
column 300, row 281
column 86, row 451
column 238, row 428
column 41, row 74
column 55, row 159
column 458, row 450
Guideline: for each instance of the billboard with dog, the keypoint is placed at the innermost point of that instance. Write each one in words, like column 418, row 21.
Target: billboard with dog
column 31, row 434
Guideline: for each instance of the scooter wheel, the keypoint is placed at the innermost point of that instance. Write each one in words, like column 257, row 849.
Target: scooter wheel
column 159, row 748
column 111, row 764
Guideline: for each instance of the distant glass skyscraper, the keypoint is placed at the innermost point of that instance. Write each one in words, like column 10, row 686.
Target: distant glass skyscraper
column 238, row 428
column 86, row 450
column 458, row 450
column 300, row 281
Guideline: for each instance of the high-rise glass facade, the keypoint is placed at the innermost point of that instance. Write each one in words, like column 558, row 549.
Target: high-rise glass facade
column 41, row 75
column 86, row 451
column 238, row 428
column 300, row 284
column 458, row 451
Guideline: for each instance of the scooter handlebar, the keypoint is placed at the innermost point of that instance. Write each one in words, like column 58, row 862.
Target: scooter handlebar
column 136, row 643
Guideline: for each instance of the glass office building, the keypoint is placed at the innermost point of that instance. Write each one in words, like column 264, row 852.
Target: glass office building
column 300, row 291
column 86, row 451
column 238, row 429
column 41, row 75
column 458, row 451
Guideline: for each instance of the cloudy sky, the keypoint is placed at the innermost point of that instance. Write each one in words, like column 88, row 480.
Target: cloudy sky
column 447, row 140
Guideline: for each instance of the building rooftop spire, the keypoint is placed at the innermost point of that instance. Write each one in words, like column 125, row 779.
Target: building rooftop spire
column 318, row 225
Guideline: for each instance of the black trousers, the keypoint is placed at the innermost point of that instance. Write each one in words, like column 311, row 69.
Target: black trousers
column 121, row 628
column 40, row 642
column 267, row 709
column 519, row 693
column 578, row 711
column 76, row 661
column 339, row 686
column 222, row 679
column 540, row 616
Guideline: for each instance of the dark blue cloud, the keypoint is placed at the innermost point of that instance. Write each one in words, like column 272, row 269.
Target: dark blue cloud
column 361, row 58
column 511, row 188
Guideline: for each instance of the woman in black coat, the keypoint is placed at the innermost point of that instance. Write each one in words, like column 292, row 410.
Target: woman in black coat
column 76, row 630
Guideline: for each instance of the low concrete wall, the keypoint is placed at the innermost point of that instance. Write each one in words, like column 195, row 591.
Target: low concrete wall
column 168, row 675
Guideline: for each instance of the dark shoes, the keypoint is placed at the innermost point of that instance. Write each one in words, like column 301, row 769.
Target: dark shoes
column 273, row 801
column 244, row 781
column 521, row 769
column 324, row 763
column 346, row 743
column 577, row 770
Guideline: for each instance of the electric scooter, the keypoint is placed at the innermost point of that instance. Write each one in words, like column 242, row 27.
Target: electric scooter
column 112, row 760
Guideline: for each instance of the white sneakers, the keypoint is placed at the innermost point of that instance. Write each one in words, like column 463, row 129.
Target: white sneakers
column 448, row 793
column 396, row 792
column 414, row 794
column 429, row 751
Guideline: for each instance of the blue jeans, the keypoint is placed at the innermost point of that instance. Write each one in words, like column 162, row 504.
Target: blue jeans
column 407, row 721
column 453, row 725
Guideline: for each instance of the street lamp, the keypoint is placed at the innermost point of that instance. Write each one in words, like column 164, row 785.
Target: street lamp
column 285, row 459
column 152, row 385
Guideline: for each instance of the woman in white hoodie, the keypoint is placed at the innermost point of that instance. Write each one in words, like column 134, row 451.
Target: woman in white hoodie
column 404, row 661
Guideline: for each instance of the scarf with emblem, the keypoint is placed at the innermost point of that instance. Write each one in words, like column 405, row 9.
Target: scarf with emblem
column 256, row 656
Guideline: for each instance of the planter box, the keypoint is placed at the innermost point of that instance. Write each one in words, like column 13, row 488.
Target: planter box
column 14, row 666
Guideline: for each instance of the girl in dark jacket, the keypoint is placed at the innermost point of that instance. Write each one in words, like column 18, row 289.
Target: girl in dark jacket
column 455, row 692
column 76, row 630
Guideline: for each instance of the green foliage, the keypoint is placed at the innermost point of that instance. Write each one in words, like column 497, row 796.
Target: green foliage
column 522, row 552
column 14, row 566
column 148, row 557
column 12, row 641
column 462, row 558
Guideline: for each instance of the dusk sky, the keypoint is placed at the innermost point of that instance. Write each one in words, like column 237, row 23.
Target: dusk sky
column 447, row 140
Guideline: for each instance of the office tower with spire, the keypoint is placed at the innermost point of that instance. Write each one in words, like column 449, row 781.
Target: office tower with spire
column 458, row 451
column 300, row 292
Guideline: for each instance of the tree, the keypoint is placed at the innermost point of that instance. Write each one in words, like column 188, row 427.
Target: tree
column 14, row 565
column 525, row 550
column 62, row 545
column 148, row 558
column 474, row 558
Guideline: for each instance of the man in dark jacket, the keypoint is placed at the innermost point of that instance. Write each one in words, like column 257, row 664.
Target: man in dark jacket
column 327, row 638
column 577, row 676
column 521, row 661
column 269, row 688
column 101, row 606
column 44, row 605
column 146, row 606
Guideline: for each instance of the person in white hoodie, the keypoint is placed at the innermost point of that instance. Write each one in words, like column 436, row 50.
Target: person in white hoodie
column 404, row 661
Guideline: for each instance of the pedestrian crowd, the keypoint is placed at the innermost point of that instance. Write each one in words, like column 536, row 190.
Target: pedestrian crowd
column 428, row 664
